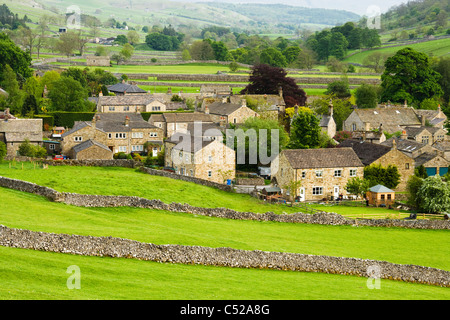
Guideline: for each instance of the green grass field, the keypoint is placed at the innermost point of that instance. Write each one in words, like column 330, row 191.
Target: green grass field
column 28, row 274
column 438, row 48
column 130, row 182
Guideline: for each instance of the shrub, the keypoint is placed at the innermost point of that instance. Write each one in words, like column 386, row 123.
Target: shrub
column 3, row 151
column 154, row 60
column 435, row 195
column 120, row 155
column 28, row 150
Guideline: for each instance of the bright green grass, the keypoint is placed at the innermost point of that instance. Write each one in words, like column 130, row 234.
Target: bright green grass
column 403, row 246
column 438, row 48
column 35, row 275
column 124, row 181
column 129, row 182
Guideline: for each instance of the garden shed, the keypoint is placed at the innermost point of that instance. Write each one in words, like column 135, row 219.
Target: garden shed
column 380, row 195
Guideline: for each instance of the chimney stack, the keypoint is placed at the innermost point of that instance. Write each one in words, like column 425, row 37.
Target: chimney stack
column 127, row 121
column 366, row 126
column 404, row 136
column 206, row 109
column 330, row 108
column 244, row 102
column 280, row 91
column 422, row 120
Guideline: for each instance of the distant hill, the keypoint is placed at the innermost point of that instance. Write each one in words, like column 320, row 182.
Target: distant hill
column 255, row 17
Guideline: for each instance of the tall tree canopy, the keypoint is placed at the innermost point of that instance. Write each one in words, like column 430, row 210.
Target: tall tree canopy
column 12, row 55
column 265, row 79
column 409, row 76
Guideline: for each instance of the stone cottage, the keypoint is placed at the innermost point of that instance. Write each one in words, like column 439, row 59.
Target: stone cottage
column 171, row 123
column 196, row 157
column 320, row 173
column 14, row 131
column 372, row 153
column 130, row 103
column 123, row 88
column 225, row 113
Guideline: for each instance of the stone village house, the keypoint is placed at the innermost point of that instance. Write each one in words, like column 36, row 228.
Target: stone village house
column 14, row 131
column 171, row 123
column 200, row 158
column 322, row 173
column 225, row 113
column 116, row 132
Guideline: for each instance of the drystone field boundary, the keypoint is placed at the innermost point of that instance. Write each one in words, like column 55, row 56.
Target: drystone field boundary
column 323, row 218
column 224, row 257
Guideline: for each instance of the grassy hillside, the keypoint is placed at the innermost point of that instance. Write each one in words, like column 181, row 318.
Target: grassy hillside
column 437, row 48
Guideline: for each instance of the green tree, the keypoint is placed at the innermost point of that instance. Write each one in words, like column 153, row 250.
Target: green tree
column 443, row 68
column 202, row 50
column 127, row 51
column 10, row 84
column 342, row 108
column 121, row 39
column 291, row 53
column 421, row 172
column 366, row 96
column 30, row 105
column 18, row 60
column 409, row 76
column 387, row 176
column 220, row 51
column 435, row 195
column 68, row 94
column 273, row 57
column 305, row 130
column 339, row 88
column 357, row 186
column 412, row 187
column 133, row 37
column 338, row 45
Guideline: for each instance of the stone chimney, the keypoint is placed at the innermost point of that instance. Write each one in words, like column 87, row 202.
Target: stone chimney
column 405, row 104
column 330, row 108
column 100, row 94
column 94, row 121
column 244, row 102
column 127, row 121
column 206, row 109
column 380, row 128
column 422, row 121
column 394, row 143
column 224, row 100
column 295, row 109
column 280, row 91
column 366, row 126
column 404, row 136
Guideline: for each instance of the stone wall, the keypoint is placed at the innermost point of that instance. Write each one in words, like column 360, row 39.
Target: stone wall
column 224, row 257
column 95, row 163
column 323, row 218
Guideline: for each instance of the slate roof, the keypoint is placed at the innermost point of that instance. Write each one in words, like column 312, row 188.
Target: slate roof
column 186, row 117
column 271, row 99
column 87, row 144
column 125, row 88
column 325, row 120
column 424, row 158
column 403, row 145
column 115, row 122
column 322, row 158
column 414, row 131
column 131, row 100
column 77, row 126
column 392, row 119
column 380, row 189
column 442, row 145
column 366, row 151
column 188, row 143
column 223, row 109
column 212, row 129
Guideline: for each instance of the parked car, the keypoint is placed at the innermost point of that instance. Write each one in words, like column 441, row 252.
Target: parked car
column 58, row 157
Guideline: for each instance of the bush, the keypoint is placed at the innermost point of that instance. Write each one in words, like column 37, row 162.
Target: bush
column 154, row 60
column 3, row 151
column 29, row 150
column 120, row 155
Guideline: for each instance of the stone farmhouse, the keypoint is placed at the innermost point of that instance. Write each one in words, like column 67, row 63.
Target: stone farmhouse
column 426, row 135
column 171, row 123
column 226, row 113
column 98, row 61
column 118, row 132
column 130, row 103
column 444, row 148
column 372, row 153
column 14, row 131
column 436, row 118
column 434, row 163
column 322, row 173
column 200, row 158
column 392, row 119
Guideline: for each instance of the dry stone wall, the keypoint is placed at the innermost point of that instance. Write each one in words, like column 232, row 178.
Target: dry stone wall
column 323, row 218
column 225, row 257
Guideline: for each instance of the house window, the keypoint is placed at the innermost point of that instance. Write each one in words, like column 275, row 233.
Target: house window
column 317, row 191
column 319, row 173
column 137, row 148
column 209, row 173
column 406, row 165
column 352, row 172
column 303, row 174
column 210, row 158
column 382, row 197
column 389, row 196
column 127, row 108
column 109, row 135
column 51, row 147
column 425, row 139
column 78, row 138
column 137, row 135
column 338, row 173
column 234, row 120
column 440, row 138
column 121, row 135
column 181, row 154
column 156, row 108
column 122, row 149
column 191, row 172
column 354, row 127
column 112, row 108
column 153, row 134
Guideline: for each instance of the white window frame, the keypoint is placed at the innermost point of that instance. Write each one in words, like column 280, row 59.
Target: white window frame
column 353, row 172
column 209, row 173
column 123, row 149
column 315, row 191
column 319, row 173
column 338, row 173
column 51, row 146
column 78, row 138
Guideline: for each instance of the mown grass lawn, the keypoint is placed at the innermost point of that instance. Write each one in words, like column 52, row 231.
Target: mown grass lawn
column 35, row 275
column 404, row 246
